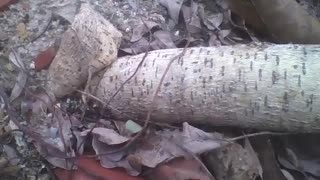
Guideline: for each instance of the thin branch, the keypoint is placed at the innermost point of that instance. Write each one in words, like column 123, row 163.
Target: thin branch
column 258, row 134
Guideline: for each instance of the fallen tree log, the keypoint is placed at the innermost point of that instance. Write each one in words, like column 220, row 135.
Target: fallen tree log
column 273, row 87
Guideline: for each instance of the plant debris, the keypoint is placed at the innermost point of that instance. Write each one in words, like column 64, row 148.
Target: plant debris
column 52, row 52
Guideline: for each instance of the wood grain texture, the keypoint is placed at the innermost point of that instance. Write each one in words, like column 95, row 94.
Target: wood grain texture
column 271, row 87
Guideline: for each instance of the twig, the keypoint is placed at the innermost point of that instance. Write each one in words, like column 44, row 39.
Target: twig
column 258, row 134
column 45, row 29
column 38, row 36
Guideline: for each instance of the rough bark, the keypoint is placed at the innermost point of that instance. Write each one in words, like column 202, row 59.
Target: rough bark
column 275, row 87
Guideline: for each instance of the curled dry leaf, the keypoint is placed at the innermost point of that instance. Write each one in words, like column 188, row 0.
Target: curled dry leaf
column 253, row 157
column 90, row 44
column 142, row 29
column 105, row 140
column 157, row 148
column 108, row 136
column 191, row 19
column 11, row 154
column 210, row 20
column 41, row 104
column 226, row 164
column 58, row 135
column 224, row 33
column 138, row 47
column 3, row 162
column 173, row 7
column 19, row 85
column 267, row 158
column 162, row 40
column 213, row 40
column 16, row 60
column 115, row 159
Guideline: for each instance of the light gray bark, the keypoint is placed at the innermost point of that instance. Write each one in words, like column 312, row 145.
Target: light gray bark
column 273, row 87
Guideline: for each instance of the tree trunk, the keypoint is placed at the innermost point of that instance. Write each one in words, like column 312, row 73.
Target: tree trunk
column 271, row 87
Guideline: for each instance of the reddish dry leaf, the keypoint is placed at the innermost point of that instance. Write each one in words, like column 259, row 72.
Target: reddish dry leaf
column 4, row 4
column 44, row 59
column 90, row 169
column 179, row 169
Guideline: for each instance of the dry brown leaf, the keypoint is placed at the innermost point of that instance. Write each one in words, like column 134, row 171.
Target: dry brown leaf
column 162, row 40
column 224, row 33
column 191, row 19
column 19, row 85
column 157, row 148
column 11, row 154
column 115, row 159
column 142, row 29
column 58, row 134
column 268, row 161
column 253, row 157
column 108, row 136
column 211, row 20
column 173, row 7
column 213, row 40
column 16, row 60
column 226, row 164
